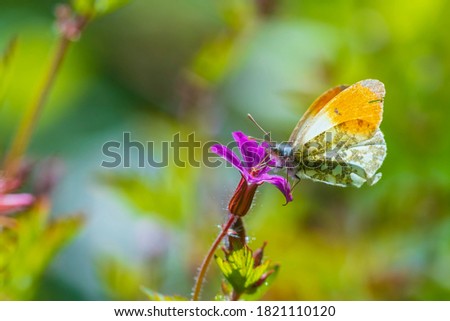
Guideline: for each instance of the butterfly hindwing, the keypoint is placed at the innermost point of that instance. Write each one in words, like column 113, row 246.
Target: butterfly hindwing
column 337, row 158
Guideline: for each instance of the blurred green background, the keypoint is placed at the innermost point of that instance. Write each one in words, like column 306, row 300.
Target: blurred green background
column 156, row 67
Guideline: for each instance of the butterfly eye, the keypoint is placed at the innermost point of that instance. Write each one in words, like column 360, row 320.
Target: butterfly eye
column 284, row 150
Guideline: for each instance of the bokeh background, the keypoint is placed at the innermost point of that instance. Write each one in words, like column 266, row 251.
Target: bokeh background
column 157, row 67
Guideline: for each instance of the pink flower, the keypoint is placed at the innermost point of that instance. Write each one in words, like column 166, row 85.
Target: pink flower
column 10, row 203
column 254, row 168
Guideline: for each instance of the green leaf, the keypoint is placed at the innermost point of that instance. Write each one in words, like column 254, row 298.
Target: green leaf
column 155, row 296
column 25, row 251
column 5, row 61
column 213, row 61
column 239, row 270
column 123, row 282
column 108, row 6
column 169, row 195
column 259, row 291
column 6, row 55
column 220, row 56
column 84, row 7
column 94, row 8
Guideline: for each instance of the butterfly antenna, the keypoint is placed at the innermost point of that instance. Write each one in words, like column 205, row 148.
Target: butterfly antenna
column 296, row 183
column 266, row 134
column 256, row 138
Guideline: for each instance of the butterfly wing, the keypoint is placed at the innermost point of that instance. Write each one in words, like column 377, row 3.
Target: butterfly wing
column 340, row 159
column 341, row 143
column 315, row 107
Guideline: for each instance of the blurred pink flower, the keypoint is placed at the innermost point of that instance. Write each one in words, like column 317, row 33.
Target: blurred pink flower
column 10, row 203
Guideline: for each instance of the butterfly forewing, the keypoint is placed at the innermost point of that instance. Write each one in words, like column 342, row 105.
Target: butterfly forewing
column 344, row 160
column 363, row 100
column 315, row 107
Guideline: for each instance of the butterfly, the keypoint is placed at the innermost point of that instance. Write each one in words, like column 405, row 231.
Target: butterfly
column 338, row 140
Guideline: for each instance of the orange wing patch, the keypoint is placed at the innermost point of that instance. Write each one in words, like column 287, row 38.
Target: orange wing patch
column 362, row 101
column 320, row 102
column 360, row 127
column 315, row 107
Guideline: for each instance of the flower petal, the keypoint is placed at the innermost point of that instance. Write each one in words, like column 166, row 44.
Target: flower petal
column 252, row 152
column 229, row 156
column 254, row 167
column 280, row 182
column 13, row 202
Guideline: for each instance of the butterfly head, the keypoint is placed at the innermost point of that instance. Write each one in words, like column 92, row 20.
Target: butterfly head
column 282, row 153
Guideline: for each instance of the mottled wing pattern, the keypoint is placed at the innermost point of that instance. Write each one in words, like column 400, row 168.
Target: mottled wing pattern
column 342, row 144
column 337, row 158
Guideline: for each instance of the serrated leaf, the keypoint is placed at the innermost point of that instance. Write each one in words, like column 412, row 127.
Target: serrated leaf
column 155, row 296
column 238, row 269
column 256, row 273
column 260, row 290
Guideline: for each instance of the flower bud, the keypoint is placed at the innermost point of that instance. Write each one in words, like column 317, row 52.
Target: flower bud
column 236, row 237
column 258, row 255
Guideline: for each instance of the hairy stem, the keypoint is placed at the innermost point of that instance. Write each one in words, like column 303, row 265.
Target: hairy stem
column 204, row 267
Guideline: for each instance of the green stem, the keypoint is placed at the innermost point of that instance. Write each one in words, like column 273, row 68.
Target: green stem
column 30, row 118
column 34, row 110
column 204, row 267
